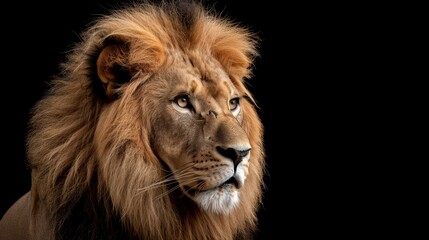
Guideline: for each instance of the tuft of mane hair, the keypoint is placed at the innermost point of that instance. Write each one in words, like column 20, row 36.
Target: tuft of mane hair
column 84, row 186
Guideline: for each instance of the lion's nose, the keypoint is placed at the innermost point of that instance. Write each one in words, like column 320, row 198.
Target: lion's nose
column 235, row 154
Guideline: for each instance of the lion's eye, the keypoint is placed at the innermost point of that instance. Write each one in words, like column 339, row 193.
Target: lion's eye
column 233, row 103
column 183, row 101
column 234, row 106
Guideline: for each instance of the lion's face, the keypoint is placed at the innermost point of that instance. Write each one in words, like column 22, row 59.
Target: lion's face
column 197, row 132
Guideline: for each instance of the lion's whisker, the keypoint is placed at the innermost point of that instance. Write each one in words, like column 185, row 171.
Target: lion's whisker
column 171, row 178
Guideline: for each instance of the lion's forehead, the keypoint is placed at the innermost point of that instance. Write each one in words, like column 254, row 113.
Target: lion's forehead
column 204, row 76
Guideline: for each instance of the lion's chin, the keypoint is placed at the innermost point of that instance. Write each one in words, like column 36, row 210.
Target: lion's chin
column 222, row 199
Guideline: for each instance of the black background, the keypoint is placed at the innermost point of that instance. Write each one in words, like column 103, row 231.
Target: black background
column 310, row 82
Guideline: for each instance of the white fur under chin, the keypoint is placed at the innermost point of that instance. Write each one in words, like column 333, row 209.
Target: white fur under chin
column 219, row 200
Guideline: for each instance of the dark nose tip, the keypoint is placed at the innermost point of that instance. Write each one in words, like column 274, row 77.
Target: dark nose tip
column 236, row 155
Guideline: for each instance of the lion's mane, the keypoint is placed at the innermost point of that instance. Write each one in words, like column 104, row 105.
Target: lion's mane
column 66, row 172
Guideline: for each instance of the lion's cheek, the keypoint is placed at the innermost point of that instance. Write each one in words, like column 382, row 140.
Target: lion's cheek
column 172, row 155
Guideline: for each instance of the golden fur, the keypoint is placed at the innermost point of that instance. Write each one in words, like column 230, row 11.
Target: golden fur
column 100, row 144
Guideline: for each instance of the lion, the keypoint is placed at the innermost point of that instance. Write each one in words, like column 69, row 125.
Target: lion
column 148, row 132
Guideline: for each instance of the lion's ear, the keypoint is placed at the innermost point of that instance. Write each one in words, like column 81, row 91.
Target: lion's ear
column 234, row 61
column 119, row 61
column 235, row 52
column 112, row 67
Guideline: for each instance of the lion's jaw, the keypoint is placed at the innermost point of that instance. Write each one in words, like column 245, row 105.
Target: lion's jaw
column 213, row 181
column 225, row 195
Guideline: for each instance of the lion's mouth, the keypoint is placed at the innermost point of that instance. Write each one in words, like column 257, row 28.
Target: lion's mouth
column 232, row 181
